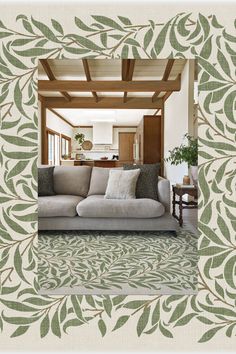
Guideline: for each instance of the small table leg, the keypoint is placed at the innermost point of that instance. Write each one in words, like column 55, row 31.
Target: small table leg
column 173, row 204
column 180, row 211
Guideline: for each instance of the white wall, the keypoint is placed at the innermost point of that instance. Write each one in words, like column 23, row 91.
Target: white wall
column 55, row 123
column 179, row 110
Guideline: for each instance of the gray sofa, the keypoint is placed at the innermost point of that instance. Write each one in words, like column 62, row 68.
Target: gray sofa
column 79, row 204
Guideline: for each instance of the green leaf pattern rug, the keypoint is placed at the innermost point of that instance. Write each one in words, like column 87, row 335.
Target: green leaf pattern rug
column 112, row 263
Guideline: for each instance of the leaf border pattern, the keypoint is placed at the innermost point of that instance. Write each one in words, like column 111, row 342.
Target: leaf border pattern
column 183, row 36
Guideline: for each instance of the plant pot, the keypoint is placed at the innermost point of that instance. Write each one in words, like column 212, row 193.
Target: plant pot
column 194, row 175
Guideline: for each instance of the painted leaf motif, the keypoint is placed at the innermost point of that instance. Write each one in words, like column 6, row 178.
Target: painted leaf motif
column 120, row 322
column 108, row 22
column 46, row 31
column 143, row 320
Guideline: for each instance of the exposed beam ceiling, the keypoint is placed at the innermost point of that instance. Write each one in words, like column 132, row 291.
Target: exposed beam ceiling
column 104, row 102
column 51, row 76
column 88, row 76
column 166, row 75
column 109, row 86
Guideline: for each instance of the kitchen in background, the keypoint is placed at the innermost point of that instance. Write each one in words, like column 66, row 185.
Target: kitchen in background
column 105, row 138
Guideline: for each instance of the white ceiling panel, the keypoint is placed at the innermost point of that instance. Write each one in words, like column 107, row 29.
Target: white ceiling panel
column 122, row 116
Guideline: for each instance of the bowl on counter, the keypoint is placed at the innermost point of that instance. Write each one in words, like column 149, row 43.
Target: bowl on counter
column 104, row 158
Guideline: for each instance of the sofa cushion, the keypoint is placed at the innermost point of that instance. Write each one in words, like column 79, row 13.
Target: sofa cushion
column 122, row 184
column 58, row 205
column 147, row 182
column 96, row 206
column 73, row 180
column 99, row 179
column 45, row 181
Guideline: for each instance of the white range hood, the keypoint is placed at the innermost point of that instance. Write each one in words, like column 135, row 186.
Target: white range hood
column 102, row 133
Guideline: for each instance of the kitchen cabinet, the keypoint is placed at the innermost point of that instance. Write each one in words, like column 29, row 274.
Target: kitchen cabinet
column 126, row 147
column 92, row 163
column 105, row 163
column 148, row 140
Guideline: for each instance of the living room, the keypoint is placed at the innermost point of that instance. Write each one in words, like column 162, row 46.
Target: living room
column 105, row 118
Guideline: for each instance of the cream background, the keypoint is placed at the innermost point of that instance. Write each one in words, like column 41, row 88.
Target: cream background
column 87, row 338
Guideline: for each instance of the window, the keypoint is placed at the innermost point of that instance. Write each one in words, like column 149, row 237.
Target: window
column 65, row 145
column 53, row 140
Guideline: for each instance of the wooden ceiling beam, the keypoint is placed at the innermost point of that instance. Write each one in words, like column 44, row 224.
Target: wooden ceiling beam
column 88, row 76
column 169, row 66
column 127, row 72
column 109, row 86
column 51, row 76
column 158, row 109
column 40, row 98
column 167, row 95
column 104, row 102
column 165, row 77
column 124, row 69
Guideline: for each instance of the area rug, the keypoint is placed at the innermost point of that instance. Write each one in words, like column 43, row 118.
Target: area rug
column 147, row 263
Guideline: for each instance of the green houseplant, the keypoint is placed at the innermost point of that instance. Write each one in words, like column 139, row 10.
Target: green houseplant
column 79, row 137
column 186, row 152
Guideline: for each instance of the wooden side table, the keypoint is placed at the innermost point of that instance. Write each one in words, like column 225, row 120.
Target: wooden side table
column 180, row 191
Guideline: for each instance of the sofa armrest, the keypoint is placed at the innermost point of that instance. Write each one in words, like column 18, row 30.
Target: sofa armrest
column 163, row 191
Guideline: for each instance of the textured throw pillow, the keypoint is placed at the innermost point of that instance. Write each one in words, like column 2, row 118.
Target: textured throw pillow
column 45, row 181
column 147, row 182
column 122, row 184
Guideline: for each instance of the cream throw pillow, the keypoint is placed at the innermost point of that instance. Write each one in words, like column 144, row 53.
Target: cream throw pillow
column 122, row 184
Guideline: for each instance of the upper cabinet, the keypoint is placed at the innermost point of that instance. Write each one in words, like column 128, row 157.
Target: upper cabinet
column 102, row 133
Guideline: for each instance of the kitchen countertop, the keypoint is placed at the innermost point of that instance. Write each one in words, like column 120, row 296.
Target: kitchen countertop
column 91, row 160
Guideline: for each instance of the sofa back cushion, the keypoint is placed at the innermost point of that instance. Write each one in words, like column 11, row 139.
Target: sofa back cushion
column 147, row 182
column 73, row 180
column 99, row 180
column 45, row 181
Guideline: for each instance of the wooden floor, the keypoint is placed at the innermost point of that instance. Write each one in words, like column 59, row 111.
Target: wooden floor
column 190, row 218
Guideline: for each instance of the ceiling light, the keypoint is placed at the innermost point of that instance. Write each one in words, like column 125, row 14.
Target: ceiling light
column 105, row 119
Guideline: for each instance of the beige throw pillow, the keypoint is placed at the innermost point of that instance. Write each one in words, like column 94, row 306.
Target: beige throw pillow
column 122, row 184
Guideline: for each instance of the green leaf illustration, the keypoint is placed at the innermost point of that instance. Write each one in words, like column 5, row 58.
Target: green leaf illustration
column 57, row 26
column 44, row 326
column 108, row 22
column 121, row 322
column 102, row 327
column 45, row 30
column 125, row 20
column 13, row 60
column 143, row 320
column 20, row 331
column 209, row 334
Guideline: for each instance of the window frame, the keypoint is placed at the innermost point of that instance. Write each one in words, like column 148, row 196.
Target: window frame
column 53, row 132
column 65, row 137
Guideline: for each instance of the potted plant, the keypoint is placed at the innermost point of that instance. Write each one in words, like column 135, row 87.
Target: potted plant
column 186, row 153
column 79, row 137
